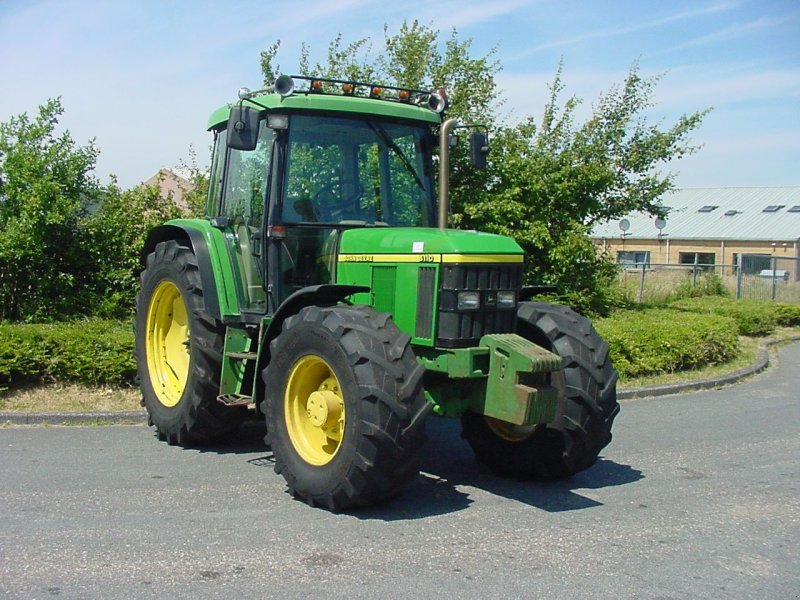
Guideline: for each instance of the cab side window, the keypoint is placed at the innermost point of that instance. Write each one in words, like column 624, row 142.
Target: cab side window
column 245, row 185
column 243, row 200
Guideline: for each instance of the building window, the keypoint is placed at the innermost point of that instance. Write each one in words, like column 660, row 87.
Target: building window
column 633, row 258
column 752, row 264
column 701, row 259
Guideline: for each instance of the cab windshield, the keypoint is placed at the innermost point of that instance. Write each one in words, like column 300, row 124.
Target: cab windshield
column 349, row 171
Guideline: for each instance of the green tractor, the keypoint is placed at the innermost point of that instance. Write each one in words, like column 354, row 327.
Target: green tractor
column 325, row 292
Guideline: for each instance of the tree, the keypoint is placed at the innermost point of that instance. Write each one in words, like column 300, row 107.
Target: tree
column 197, row 195
column 112, row 240
column 47, row 187
column 547, row 182
column 414, row 57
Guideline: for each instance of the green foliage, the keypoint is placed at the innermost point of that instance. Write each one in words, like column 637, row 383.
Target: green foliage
column 46, row 188
column 68, row 246
column 660, row 341
column 752, row 318
column 113, row 239
column 549, row 181
column 706, row 284
column 197, row 196
column 90, row 351
column 787, row 315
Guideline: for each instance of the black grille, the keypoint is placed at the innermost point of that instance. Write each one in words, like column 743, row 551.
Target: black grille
column 425, row 288
column 461, row 328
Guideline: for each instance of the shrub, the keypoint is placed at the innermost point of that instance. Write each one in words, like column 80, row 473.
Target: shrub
column 664, row 341
column 752, row 318
column 90, row 352
column 787, row 315
column 706, row 284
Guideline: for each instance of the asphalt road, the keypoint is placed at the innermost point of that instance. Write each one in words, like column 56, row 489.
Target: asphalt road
column 698, row 496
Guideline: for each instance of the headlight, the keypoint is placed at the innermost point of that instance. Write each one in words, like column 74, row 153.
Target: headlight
column 469, row 300
column 506, row 299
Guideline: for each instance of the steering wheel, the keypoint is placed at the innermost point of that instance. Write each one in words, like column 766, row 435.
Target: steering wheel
column 335, row 208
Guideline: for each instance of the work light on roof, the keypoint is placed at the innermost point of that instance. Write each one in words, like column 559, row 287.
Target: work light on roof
column 437, row 101
column 284, row 85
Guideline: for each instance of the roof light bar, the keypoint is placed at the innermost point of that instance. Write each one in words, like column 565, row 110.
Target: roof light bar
column 286, row 85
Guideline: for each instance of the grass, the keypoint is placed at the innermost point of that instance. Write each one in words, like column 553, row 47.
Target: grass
column 69, row 398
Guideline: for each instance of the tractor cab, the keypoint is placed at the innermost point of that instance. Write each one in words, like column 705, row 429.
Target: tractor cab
column 287, row 181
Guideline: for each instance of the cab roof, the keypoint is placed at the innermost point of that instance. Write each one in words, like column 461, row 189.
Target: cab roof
column 329, row 103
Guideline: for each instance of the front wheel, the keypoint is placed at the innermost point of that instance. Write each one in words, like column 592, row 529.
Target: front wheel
column 343, row 406
column 587, row 402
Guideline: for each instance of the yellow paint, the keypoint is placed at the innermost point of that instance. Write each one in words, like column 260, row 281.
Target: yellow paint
column 431, row 258
column 314, row 410
column 508, row 431
column 167, row 343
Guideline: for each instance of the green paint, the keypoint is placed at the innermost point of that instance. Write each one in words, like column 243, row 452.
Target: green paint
column 419, row 241
column 319, row 102
column 506, row 377
column 514, row 393
column 234, row 360
column 389, row 259
column 455, row 362
column 221, row 264
column 453, row 397
column 393, row 289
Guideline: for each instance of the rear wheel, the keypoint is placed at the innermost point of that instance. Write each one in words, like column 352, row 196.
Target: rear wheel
column 179, row 351
column 587, row 402
column 344, row 406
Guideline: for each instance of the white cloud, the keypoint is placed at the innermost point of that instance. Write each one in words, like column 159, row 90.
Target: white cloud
column 633, row 28
column 461, row 14
column 694, row 86
column 732, row 32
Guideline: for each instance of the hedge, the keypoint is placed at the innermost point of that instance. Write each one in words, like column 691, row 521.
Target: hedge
column 691, row 333
column 753, row 318
column 658, row 341
column 90, row 351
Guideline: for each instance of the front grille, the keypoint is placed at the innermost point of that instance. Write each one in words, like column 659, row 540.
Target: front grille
column 462, row 328
column 426, row 285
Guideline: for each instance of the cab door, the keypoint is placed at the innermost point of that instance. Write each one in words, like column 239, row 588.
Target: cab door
column 243, row 190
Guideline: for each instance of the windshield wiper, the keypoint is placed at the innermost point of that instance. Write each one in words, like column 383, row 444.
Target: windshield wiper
column 390, row 143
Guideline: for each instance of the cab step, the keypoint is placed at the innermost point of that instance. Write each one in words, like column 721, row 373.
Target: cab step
column 242, row 355
column 234, row 399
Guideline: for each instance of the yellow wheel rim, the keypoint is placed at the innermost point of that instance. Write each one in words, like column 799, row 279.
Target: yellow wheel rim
column 508, row 431
column 314, row 410
column 167, row 343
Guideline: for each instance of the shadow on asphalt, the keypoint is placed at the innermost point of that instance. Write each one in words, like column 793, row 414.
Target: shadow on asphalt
column 447, row 467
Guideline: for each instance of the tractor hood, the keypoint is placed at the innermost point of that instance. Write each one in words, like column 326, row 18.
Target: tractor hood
column 424, row 241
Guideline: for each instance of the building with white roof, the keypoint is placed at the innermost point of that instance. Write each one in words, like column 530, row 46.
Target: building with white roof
column 709, row 226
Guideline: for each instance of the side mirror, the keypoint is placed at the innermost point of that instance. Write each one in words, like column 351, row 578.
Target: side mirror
column 479, row 149
column 243, row 127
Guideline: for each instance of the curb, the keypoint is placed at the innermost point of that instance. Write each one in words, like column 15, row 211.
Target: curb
column 99, row 418
column 140, row 417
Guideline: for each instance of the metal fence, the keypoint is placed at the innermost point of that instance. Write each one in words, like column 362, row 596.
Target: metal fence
column 756, row 277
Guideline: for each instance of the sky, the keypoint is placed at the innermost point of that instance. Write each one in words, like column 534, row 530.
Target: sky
column 141, row 78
